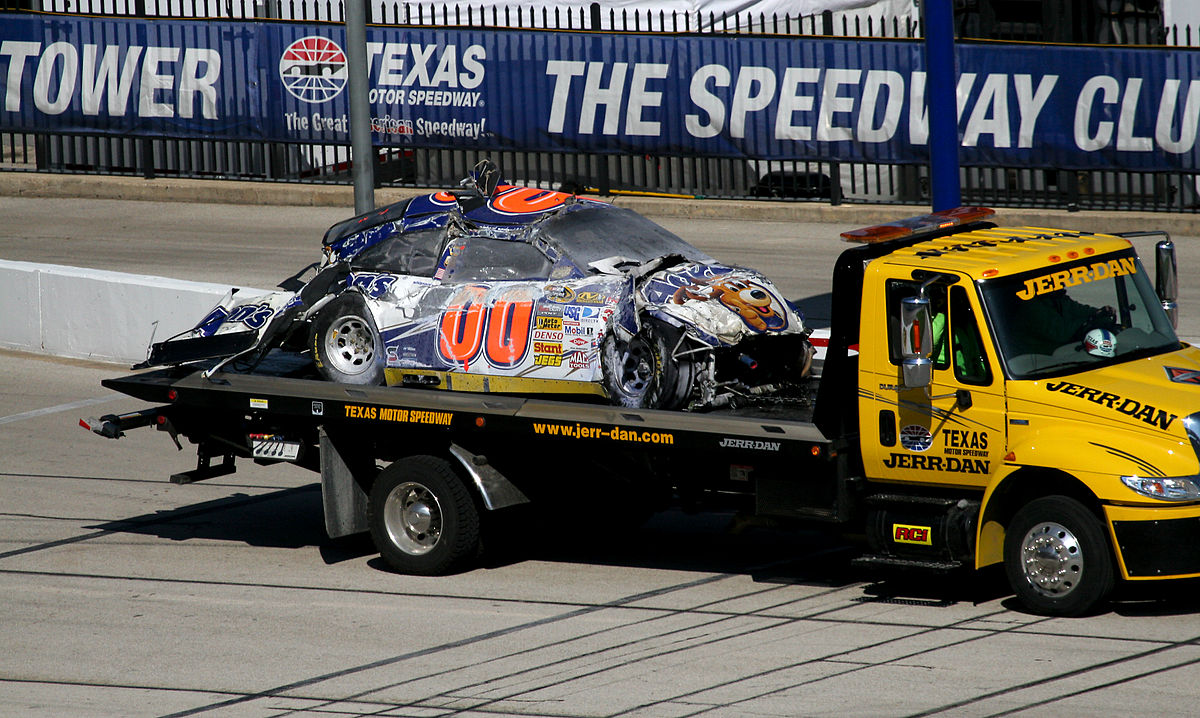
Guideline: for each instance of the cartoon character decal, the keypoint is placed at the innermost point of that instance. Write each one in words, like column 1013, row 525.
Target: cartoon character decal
column 737, row 290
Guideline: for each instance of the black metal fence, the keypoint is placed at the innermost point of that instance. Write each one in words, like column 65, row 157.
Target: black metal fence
column 828, row 182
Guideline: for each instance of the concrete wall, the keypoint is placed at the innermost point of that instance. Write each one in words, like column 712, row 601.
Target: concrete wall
column 94, row 314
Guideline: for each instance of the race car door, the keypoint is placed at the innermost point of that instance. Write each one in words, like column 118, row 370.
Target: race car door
column 952, row 432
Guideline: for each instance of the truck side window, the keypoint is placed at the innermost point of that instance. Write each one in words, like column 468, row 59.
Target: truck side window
column 970, row 362
column 897, row 290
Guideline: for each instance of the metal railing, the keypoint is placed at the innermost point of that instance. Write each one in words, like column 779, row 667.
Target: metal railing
column 828, row 182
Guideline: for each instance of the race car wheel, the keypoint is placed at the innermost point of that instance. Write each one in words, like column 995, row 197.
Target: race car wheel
column 1057, row 558
column 422, row 518
column 346, row 344
column 641, row 374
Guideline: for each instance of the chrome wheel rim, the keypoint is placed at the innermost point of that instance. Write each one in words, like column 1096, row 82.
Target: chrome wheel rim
column 350, row 345
column 1052, row 559
column 413, row 518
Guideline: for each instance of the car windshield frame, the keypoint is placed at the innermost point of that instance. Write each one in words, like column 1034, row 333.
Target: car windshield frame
column 592, row 234
column 1017, row 310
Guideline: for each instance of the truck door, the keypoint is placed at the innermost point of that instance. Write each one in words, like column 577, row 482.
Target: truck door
column 952, row 432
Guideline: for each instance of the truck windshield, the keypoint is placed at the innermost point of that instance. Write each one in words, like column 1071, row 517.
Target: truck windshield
column 1076, row 316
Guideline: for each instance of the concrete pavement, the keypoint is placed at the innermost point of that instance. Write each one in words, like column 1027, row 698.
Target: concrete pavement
column 848, row 216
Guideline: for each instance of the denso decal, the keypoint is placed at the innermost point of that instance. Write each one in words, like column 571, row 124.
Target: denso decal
column 902, row 533
column 949, row 464
column 1147, row 413
column 1076, row 276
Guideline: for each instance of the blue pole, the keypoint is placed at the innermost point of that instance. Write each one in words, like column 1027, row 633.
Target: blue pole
column 942, row 98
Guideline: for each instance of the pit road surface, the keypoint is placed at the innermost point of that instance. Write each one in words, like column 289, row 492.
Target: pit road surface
column 124, row 595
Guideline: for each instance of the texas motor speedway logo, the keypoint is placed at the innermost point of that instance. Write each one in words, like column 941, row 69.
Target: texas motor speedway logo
column 313, row 69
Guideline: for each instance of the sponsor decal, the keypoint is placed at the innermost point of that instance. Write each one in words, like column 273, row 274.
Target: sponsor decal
column 947, row 464
column 372, row 284
column 1075, row 276
column 965, row 443
column 544, row 335
column 560, row 294
column 313, row 69
column 1147, row 413
column 550, row 323
column 738, row 291
column 731, row 443
column 902, row 533
column 547, row 354
column 916, row 438
column 404, row 416
column 212, row 322
column 259, row 404
column 254, row 316
column 318, row 408
column 1182, row 376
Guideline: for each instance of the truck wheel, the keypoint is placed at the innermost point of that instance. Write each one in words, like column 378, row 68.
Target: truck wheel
column 641, row 374
column 422, row 519
column 1057, row 558
column 346, row 344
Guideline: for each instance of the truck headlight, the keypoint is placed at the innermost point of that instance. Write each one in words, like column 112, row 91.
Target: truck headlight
column 1172, row 488
column 1175, row 488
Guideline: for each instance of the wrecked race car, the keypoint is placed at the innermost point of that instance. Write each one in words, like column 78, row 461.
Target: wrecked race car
column 500, row 288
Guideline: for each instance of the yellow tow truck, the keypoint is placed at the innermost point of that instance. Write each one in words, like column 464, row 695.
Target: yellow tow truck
column 987, row 395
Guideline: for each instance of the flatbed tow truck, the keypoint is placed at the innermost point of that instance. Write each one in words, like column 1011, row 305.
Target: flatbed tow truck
column 938, row 427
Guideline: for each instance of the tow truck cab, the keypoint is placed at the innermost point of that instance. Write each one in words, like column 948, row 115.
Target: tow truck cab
column 1024, row 390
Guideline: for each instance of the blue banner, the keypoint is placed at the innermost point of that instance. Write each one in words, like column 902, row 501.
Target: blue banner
column 758, row 97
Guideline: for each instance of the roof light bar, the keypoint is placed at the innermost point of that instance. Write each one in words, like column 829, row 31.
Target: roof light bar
column 921, row 224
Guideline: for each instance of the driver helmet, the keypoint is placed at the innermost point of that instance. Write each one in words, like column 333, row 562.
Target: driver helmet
column 1100, row 342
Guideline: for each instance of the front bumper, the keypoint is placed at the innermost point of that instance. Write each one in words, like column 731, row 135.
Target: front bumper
column 1156, row 542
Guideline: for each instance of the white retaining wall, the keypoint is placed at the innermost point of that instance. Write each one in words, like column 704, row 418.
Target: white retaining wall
column 95, row 314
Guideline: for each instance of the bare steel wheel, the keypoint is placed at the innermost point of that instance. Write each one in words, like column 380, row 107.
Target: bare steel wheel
column 346, row 344
column 423, row 520
column 1057, row 558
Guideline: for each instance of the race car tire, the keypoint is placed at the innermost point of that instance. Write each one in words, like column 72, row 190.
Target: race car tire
column 422, row 518
column 641, row 374
column 346, row 344
column 1057, row 558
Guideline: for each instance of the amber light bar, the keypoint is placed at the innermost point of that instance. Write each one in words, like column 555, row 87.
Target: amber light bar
column 921, row 224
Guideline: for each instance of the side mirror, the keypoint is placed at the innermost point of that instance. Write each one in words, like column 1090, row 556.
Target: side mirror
column 1166, row 279
column 916, row 342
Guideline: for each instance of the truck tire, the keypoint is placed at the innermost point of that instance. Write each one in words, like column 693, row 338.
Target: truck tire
column 1057, row 557
column 346, row 344
column 422, row 518
column 641, row 374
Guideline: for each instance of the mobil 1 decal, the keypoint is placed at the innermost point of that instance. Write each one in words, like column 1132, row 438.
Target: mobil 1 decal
column 954, row 451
